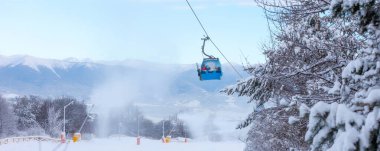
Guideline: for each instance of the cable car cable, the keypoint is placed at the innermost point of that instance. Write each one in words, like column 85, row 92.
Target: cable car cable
column 196, row 16
column 204, row 29
column 237, row 72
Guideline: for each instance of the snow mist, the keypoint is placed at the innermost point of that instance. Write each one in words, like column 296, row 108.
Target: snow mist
column 127, row 86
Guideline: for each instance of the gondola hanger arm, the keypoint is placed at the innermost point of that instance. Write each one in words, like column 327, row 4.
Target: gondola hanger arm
column 204, row 45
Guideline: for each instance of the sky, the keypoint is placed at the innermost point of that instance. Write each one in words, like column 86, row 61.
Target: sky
column 162, row 31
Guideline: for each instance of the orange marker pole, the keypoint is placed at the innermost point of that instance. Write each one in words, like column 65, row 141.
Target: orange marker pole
column 138, row 140
column 163, row 139
column 63, row 137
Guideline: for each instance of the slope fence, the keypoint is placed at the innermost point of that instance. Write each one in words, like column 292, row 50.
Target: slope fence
column 5, row 141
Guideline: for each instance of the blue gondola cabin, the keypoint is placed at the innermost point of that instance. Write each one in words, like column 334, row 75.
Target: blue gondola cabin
column 211, row 69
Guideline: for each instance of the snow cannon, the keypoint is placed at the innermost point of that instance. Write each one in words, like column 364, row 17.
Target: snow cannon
column 76, row 137
column 168, row 139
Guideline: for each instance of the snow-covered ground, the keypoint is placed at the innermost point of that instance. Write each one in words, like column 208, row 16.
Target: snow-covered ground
column 125, row 144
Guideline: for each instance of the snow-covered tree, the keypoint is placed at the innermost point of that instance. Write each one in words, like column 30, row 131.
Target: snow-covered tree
column 8, row 124
column 54, row 123
column 44, row 116
column 26, row 110
column 273, row 130
column 323, row 54
column 353, row 122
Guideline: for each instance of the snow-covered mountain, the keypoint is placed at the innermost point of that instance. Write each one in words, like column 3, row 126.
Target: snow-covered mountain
column 27, row 75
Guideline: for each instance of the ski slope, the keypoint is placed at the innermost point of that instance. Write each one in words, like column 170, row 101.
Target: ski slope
column 124, row 144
